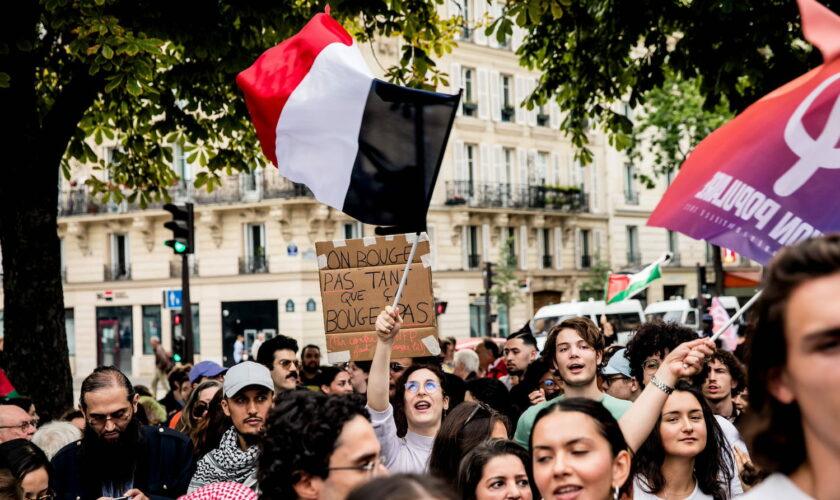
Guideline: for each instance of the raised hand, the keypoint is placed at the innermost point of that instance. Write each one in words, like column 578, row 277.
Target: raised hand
column 388, row 324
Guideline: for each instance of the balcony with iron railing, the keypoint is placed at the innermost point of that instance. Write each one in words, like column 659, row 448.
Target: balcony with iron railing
column 117, row 272
column 253, row 264
column 79, row 201
column 516, row 196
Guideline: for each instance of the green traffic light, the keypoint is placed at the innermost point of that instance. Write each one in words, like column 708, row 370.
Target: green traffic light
column 177, row 246
column 176, row 357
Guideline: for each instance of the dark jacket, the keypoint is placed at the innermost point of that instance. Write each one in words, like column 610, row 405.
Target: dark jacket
column 171, row 404
column 163, row 473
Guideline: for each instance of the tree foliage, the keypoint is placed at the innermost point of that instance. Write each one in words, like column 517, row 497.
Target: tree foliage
column 142, row 75
column 506, row 284
column 595, row 53
column 673, row 121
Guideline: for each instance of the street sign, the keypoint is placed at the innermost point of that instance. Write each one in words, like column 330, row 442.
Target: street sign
column 172, row 299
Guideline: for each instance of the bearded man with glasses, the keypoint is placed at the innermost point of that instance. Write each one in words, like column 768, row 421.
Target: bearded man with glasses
column 117, row 456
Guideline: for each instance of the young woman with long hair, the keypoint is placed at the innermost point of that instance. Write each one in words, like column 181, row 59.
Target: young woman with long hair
column 497, row 469
column 685, row 457
column 578, row 451
column 465, row 427
column 420, row 400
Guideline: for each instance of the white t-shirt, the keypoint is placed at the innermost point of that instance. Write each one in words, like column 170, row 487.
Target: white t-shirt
column 733, row 438
column 776, row 486
column 641, row 494
column 409, row 454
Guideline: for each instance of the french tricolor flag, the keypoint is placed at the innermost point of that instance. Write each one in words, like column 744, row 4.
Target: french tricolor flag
column 363, row 146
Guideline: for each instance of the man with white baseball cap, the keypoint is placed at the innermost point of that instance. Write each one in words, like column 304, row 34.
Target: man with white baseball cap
column 617, row 380
column 248, row 397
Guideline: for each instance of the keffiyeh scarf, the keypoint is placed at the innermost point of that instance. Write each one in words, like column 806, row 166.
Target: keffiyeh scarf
column 227, row 463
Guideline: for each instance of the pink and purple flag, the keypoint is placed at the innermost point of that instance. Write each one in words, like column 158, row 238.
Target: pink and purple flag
column 769, row 178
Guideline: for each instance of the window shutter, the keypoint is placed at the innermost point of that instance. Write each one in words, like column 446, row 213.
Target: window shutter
column 495, row 96
column 460, row 165
column 520, row 96
column 455, row 84
column 484, row 101
column 480, row 9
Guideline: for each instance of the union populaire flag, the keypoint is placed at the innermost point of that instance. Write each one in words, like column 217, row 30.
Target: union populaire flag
column 769, row 177
column 363, row 146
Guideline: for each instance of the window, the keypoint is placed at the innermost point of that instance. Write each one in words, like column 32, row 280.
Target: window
column 251, row 184
column 290, row 306
column 473, row 242
column 541, row 167
column 151, row 327
column 470, row 165
column 673, row 291
column 352, row 230
column 506, row 98
column 61, row 260
column 630, row 194
column 510, row 242
column 177, row 334
column 180, row 166
column 120, row 268
column 478, row 321
column 470, row 104
column 673, row 247
column 543, row 118
column 710, row 253
column 585, row 251
column 633, row 257
column 311, row 305
column 669, row 176
column 463, row 8
column 546, row 248
column 255, row 254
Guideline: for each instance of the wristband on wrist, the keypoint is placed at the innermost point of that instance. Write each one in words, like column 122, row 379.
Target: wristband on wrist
column 661, row 385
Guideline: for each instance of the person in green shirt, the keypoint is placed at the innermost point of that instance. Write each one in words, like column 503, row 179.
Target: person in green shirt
column 575, row 347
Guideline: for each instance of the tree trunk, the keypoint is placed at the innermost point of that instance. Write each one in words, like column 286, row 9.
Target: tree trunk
column 37, row 360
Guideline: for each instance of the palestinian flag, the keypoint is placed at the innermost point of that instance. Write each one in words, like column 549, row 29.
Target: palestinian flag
column 623, row 286
column 363, row 146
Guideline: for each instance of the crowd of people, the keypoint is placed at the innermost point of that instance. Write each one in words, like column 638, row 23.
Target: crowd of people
column 661, row 418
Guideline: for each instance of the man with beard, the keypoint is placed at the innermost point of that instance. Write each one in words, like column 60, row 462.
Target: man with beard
column 119, row 457
column 279, row 355
column 248, row 397
column 520, row 350
column 310, row 360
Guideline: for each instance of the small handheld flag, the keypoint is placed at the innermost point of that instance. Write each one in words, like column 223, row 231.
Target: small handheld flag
column 623, row 286
column 363, row 146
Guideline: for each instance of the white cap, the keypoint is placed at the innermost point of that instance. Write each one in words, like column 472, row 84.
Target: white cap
column 246, row 374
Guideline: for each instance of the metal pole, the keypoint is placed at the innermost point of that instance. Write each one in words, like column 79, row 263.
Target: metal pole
column 186, row 308
column 405, row 273
column 487, row 284
column 737, row 315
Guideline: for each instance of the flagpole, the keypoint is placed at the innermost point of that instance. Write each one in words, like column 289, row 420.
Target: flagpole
column 405, row 273
column 737, row 315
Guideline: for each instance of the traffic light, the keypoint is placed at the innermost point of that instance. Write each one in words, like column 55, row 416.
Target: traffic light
column 181, row 226
column 179, row 344
column 488, row 275
column 440, row 307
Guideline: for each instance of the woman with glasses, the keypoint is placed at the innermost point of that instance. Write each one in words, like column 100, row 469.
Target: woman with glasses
column 540, row 383
column 207, row 432
column 465, row 427
column 197, row 405
column 419, row 400
column 497, row 469
column 24, row 471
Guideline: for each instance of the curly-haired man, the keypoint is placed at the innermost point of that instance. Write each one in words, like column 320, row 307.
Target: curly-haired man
column 317, row 447
column 721, row 380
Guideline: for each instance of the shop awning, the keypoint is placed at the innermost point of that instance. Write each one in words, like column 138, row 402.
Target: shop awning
column 741, row 279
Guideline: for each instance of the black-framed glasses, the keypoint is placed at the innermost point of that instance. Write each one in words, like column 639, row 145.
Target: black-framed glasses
column 397, row 368
column 368, row 467
column 23, row 425
column 119, row 416
column 430, row 386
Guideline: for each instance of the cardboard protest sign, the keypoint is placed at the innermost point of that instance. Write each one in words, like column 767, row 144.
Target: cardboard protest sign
column 358, row 278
